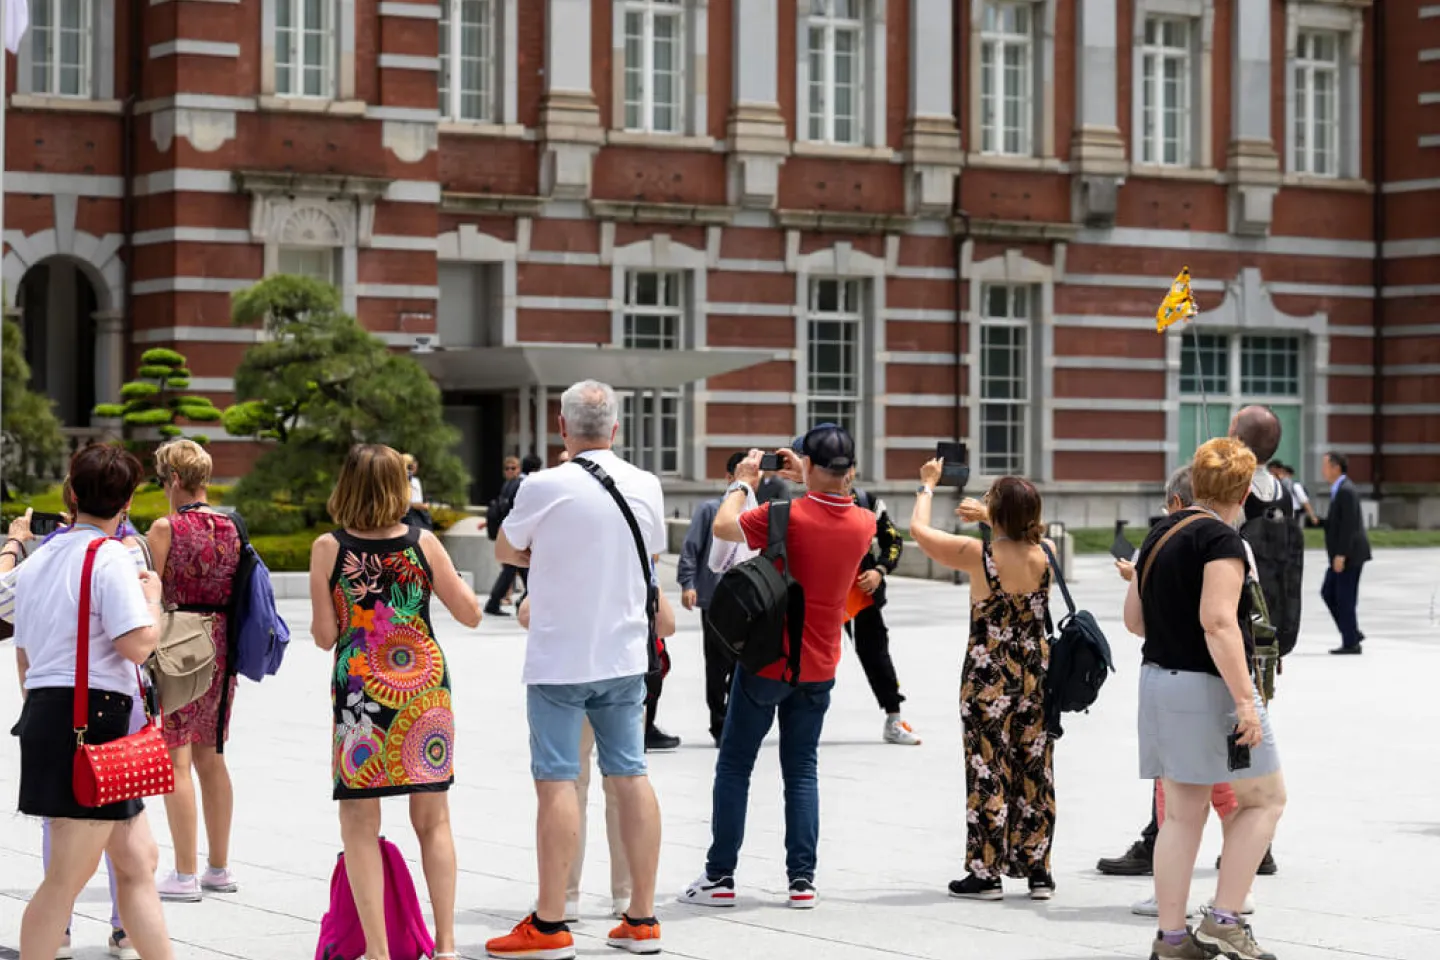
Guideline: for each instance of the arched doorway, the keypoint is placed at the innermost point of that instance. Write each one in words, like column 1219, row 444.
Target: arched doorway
column 58, row 305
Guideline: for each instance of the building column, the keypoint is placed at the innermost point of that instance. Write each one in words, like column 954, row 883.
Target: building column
column 109, row 355
column 656, row 422
column 569, row 118
column 933, row 157
column 1096, row 149
column 522, row 412
column 542, row 423
column 758, row 143
column 1254, row 164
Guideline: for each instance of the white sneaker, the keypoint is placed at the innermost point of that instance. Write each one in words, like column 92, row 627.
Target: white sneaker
column 802, row 895
column 176, row 889
column 1247, row 908
column 218, row 881
column 572, row 910
column 899, row 732
column 65, row 951
column 710, row 893
column 1149, row 908
column 618, row 907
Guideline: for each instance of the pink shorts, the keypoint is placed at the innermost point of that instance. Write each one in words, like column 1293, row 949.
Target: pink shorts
column 1222, row 798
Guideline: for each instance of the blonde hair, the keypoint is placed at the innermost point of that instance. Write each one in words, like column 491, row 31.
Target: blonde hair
column 409, row 460
column 1222, row 471
column 186, row 461
column 372, row 491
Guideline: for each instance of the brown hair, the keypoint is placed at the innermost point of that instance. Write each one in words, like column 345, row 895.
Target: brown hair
column 1015, row 507
column 1222, row 471
column 372, row 491
column 186, row 461
column 103, row 478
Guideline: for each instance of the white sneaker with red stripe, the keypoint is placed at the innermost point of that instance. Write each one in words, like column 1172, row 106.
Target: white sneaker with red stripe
column 898, row 731
column 802, row 894
column 710, row 892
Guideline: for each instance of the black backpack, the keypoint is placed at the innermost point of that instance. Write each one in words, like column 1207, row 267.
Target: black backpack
column 1279, row 547
column 500, row 508
column 756, row 607
column 1079, row 659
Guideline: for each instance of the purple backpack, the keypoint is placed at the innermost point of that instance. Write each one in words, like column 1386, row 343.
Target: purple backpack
column 340, row 935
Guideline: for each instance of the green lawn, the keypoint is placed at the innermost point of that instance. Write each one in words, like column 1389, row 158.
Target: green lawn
column 1098, row 539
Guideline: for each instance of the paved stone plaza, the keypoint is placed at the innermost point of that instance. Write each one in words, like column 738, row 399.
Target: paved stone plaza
column 1357, row 850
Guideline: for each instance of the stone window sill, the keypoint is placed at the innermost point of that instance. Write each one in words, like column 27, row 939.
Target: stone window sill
column 841, row 151
column 996, row 161
column 31, row 101
column 660, row 141
column 312, row 105
column 1157, row 171
column 496, row 131
column 1347, row 184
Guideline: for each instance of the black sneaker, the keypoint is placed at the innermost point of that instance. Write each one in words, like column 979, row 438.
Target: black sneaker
column 1138, row 861
column 973, row 888
column 657, row 740
column 1042, row 885
column 491, row 610
column 1267, row 866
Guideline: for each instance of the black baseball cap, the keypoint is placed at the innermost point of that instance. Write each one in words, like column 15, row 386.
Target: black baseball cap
column 829, row 447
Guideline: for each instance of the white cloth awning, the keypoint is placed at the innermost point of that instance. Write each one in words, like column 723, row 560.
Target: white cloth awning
column 541, row 365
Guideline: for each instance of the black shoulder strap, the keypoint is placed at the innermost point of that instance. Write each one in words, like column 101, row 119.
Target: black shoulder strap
column 652, row 599
column 779, row 531
column 1059, row 577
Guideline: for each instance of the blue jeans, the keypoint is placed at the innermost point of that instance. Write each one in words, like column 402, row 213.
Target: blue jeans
column 753, row 703
column 616, row 709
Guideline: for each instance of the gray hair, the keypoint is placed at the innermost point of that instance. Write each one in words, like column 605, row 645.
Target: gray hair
column 1180, row 488
column 590, row 410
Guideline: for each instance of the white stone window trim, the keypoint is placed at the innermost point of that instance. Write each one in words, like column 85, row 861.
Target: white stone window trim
column 1042, row 89
column 100, row 65
column 1349, row 23
column 694, row 74
column 1012, row 268
column 504, row 50
column 341, row 63
column 660, row 254
column 843, row 262
column 1201, row 14
column 871, row 89
column 469, row 245
column 341, row 225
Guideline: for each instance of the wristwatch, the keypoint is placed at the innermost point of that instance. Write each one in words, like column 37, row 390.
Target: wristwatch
column 738, row 485
column 924, row 491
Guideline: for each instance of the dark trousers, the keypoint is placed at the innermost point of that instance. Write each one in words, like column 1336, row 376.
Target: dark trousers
column 502, row 586
column 719, row 673
column 1152, row 829
column 1341, row 593
column 872, row 646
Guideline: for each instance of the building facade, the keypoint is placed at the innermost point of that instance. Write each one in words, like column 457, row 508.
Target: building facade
column 925, row 219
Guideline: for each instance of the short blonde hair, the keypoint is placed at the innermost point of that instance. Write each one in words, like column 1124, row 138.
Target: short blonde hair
column 1222, row 471
column 409, row 460
column 372, row 491
column 185, row 460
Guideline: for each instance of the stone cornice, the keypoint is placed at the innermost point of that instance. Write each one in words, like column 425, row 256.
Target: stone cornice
column 838, row 221
column 625, row 211
column 276, row 183
column 1015, row 229
column 491, row 203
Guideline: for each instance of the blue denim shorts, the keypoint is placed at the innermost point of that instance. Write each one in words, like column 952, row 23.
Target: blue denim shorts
column 616, row 709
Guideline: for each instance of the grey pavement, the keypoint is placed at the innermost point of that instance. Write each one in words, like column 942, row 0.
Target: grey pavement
column 1357, row 849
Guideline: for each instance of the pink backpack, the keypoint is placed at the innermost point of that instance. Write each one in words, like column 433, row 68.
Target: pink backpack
column 340, row 935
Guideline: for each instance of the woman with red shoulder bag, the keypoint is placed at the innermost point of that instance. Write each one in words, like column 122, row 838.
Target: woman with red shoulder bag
column 84, row 588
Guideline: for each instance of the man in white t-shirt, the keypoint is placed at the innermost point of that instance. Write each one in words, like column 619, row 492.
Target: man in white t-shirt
column 586, row 655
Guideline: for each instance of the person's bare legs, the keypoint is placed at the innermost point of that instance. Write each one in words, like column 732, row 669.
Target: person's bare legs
column 582, row 801
column 180, row 814
column 134, row 856
column 217, row 794
column 640, row 830
column 620, row 881
column 360, row 831
column 75, row 849
column 1186, row 807
column 557, row 839
column 430, row 816
column 1248, row 832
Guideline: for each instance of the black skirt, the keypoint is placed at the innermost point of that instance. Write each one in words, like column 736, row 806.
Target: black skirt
column 47, row 752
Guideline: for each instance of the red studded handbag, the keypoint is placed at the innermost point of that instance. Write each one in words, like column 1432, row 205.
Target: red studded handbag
column 126, row 769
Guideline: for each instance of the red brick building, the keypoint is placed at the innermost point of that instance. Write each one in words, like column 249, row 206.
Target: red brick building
column 924, row 218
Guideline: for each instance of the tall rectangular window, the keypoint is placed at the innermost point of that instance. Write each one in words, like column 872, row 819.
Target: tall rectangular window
column 651, row 421
column 835, row 31
column 1270, row 366
column 1317, row 103
column 654, row 75
column 467, row 60
column 1005, row 378
column 305, row 48
column 61, row 48
column 832, row 348
column 1166, row 80
column 1007, row 73
column 315, row 262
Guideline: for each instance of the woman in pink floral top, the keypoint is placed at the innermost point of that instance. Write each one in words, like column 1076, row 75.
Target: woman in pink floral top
column 196, row 550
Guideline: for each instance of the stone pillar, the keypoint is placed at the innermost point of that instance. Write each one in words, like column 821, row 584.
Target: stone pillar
column 933, row 157
column 1253, row 162
column 569, row 118
column 542, row 423
column 523, row 413
column 109, row 355
column 758, row 143
column 1096, row 150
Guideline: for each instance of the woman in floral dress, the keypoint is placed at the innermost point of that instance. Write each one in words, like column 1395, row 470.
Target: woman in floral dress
column 1009, row 754
column 370, row 588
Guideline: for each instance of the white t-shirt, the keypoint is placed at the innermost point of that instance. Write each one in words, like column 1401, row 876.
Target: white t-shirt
column 1298, row 495
column 724, row 554
column 47, row 612
column 417, row 495
column 587, row 591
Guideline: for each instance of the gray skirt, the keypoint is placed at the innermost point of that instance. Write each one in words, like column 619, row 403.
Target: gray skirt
column 1185, row 721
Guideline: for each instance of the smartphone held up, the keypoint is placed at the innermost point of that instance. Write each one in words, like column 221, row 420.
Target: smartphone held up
column 955, row 464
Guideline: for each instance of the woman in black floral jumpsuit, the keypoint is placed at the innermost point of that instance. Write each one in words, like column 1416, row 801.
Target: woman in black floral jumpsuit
column 1009, row 755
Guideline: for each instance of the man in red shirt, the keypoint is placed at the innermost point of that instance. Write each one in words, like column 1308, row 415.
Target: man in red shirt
column 827, row 538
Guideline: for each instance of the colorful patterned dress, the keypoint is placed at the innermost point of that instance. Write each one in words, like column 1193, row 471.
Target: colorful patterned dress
column 394, row 730
column 1009, row 756
column 200, row 569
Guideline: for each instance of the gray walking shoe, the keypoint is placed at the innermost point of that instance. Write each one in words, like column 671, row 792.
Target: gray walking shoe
column 1234, row 941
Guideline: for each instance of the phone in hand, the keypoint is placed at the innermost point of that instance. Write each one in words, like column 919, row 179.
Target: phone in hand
column 955, row 472
column 1239, row 754
column 770, row 462
column 44, row 524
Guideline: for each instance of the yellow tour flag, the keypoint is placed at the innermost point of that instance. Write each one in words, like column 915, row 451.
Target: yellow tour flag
column 1179, row 302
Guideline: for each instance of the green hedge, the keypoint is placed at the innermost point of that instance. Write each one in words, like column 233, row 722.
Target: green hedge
column 148, row 506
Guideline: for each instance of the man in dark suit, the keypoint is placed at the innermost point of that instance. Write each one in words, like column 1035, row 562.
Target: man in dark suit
column 1349, row 549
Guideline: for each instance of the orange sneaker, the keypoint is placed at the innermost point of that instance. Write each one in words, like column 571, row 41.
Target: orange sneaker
column 636, row 937
column 527, row 942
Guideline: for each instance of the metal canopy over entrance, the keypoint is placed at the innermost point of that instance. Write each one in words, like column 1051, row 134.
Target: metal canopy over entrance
column 474, row 369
